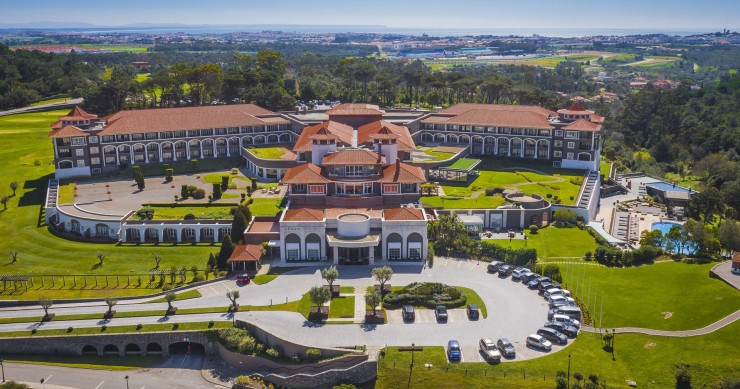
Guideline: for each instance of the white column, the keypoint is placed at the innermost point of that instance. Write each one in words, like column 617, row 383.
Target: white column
column 178, row 231
column 336, row 255
column 159, row 147
column 214, row 149
column 508, row 153
column 535, row 149
column 197, row 235
column 371, row 259
column 187, row 150
column 228, row 147
column 146, row 155
column 132, row 161
column 200, row 145
column 142, row 235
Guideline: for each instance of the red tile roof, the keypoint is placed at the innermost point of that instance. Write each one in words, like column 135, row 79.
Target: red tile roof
column 459, row 109
column 304, row 174
column 353, row 157
column 303, row 215
column 342, row 131
column 355, row 109
column 403, row 214
column 582, row 125
column 402, row 173
column 67, row 132
column 246, row 253
column 189, row 118
column 404, row 141
column 501, row 118
column 323, row 134
column 576, row 106
column 384, row 134
column 77, row 114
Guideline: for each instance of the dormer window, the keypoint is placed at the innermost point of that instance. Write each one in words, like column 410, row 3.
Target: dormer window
column 354, row 170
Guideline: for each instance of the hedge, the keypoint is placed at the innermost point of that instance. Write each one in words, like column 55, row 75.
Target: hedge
column 426, row 294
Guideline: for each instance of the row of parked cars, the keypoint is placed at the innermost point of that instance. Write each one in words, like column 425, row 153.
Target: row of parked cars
column 563, row 318
column 440, row 312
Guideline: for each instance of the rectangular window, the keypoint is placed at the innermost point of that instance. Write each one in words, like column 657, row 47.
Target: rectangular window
column 570, row 156
column 558, row 132
column 394, row 250
column 316, row 189
column 137, row 136
column 571, row 145
column 391, row 188
column 92, row 139
column 313, row 251
column 292, row 251
column 557, row 153
column 94, row 150
column 80, row 153
column 558, row 143
column 571, row 134
column 354, row 170
column 95, row 161
column 80, row 163
column 409, row 188
column 97, row 171
column 109, row 138
column 151, row 135
column 414, row 250
column 78, row 141
column 179, row 134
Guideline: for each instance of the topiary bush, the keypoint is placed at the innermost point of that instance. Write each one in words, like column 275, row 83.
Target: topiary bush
column 427, row 294
column 199, row 194
column 533, row 229
column 189, row 216
column 313, row 354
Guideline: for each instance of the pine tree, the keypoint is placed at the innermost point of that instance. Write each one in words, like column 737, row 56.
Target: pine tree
column 239, row 224
column 227, row 247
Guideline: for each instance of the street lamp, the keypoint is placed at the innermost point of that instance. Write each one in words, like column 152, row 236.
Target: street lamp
column 126, row 377
column 568, row 371
column 188, row 340
column 2, row 366
column 413, row 347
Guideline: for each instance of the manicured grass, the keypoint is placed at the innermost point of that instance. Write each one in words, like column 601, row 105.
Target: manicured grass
column 481, row 201
column 96, row 362
column 186, row 295
column 304, row 305
column 266, row 206
column 27, row 156
column 346, row 289
column 648, row 360
column 666, row 296
column 184, row 167
column 438, row 155
column 118, row 329
column 215, row 178
column 272, row 274
column 66, row 193
column 50, row 101
column 207, row 212
column 463, row 163
column 553, row 242
column 604, row 168
column 474, row 299
column 342, row 307
column 266, row 152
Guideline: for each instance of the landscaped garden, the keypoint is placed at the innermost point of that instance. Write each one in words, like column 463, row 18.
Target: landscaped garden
column 553, row 243
column 555, row 185
column 206, row 212
column 433, row 154
column 432, row 294
column 267, row 152
column 651, row 361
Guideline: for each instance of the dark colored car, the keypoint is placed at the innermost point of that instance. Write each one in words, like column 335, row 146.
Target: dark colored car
column 408, row 312
column 453, row 350
column 529, row 277
column 494, row 266
column 553, row 335
column 506, row 348
column 535, row 283
column 543, row 286
column 564, row 328
column 505, row 271
column 473, row 311
column 440, row 312
column 243, row 279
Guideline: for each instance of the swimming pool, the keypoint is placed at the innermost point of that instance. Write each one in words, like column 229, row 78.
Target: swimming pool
column 664, row 186
column 665, row 227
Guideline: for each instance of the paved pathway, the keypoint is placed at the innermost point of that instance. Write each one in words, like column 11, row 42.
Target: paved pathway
column 43, row 107
column 725, row 321
column 724, row 271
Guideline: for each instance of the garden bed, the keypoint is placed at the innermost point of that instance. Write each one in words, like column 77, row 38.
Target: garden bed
column 426, row 294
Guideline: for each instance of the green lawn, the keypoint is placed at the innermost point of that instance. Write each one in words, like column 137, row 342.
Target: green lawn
column 553, row 242
column 481, row 201
column 648, row 360
column 105, row 362
column 342, row 307
column 118, row 329
column 207, row 212
column 185, row 167
column 50, row 101
column 438, row 155
column 346, row 289
column 27, row 156
column 604, row 168
column 189, row 294
column 266, row 207
column 266, row 152
column 666, row 296
column 215, row 178
column 66, row 193
column 272, row 274
column 463, row 163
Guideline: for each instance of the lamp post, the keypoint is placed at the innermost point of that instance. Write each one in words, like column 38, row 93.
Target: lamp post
column 188, row 340
column 413, row 347
column 126, row 377
column 2, row 366
column 568, row 371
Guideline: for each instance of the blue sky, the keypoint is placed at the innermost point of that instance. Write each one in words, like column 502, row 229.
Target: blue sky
column 568, row 14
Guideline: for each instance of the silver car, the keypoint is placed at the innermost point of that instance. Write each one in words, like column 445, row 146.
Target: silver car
column 537, row 341
column 489, row 350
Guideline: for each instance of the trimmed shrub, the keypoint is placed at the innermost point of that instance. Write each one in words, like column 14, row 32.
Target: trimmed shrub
column 199, row 194
column 254, row 183
column 224, row 183
column 313, row 354
column 272, row 353
column 189, row 216
column 194, row 165
column 168, row 174
column 184, row 192
column 216, row 191
column 428, row 294
column 533, row 229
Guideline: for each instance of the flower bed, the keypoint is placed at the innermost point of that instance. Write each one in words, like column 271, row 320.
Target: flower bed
column 426, row 294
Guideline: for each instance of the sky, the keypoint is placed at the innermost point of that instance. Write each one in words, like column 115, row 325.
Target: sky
column 710, row 15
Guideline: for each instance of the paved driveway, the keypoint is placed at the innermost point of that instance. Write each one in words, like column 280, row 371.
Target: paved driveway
column 513, row 310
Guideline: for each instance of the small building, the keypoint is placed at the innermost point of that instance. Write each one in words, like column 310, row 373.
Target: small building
column 473, row 223
column 736, row 263
column 246, row 257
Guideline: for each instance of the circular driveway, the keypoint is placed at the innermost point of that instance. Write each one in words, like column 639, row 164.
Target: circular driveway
column 514, row 311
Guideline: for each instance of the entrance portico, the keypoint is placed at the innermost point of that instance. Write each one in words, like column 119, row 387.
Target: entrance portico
column 351, row 250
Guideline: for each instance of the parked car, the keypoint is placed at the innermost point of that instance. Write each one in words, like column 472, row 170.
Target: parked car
column 534, row 284
column 564, row 328
column 408, row 312
column 453, row 350
column 527, row 277
column 506, row 348
column 494, row 266
column 537, row 341
column 553, row 292
column 473, row 311
column 553, row 335
column 566, row 319
column 544, row 286
column 243, row 279
column 440, row 312
column 516, row 275
column 489, row 350
column 505, row 271
column 561, row 301
column 572, row 311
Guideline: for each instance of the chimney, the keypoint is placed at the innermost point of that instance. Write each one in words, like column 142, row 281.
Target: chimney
column 354, row 137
